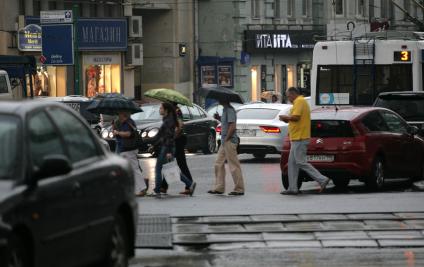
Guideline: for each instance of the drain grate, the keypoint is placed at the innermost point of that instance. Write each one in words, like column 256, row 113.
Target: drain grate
column 154, row 231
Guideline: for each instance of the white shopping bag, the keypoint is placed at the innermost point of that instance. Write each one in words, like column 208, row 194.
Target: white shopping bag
column 171, row 172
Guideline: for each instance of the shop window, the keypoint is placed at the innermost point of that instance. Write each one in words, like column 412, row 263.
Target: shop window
column 102, row 79
column 360, row 7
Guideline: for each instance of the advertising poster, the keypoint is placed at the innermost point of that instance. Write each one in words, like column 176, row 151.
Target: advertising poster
column 225, row 76
column 208, row 76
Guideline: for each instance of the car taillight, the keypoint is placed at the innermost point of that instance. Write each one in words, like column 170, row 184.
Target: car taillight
column 218, row 129
column 270, row 129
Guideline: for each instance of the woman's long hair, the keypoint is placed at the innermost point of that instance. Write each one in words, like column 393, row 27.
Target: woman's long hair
column 170, row 109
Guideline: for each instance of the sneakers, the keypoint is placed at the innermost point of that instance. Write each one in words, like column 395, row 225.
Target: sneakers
column 323, row 186
column 214, row 192
column 234, row 193
column 287, row 192
column 153, row 194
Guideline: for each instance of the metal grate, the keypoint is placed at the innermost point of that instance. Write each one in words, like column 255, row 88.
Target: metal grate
column 154, row 231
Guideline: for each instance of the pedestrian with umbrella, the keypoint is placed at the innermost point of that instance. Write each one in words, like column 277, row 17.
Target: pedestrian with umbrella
column 229, row 141
column 124, row 130
column 174, row 97
column 167, row 151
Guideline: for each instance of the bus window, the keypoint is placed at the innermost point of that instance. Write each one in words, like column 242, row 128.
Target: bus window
column 335, row 81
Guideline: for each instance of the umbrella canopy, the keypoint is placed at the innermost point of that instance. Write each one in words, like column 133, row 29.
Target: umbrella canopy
column 111, row 104
column 168, row 95
column 222, row 93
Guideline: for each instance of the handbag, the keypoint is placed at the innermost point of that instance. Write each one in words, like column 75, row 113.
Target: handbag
column 134, row 141
column 171, row 172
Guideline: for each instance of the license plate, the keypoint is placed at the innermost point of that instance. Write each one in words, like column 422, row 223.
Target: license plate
column 246, row 133
column 74, row 106
column 320, row 158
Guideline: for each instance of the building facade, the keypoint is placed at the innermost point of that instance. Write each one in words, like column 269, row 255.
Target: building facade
column 168, row 44
column 101, row 32
column 265, row 46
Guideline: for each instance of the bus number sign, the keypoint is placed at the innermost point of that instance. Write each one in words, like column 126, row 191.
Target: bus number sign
column 403, row 56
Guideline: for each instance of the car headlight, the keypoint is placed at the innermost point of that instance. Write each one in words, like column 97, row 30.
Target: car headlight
column 110, row 134
column 105, row 134
column 153, row 132
column 144, row 134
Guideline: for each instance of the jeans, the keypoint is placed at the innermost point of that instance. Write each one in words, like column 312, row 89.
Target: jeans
column 180, row 156
column 297, row 161
column 161, row 160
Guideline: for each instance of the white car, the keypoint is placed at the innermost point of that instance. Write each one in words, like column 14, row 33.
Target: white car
column 260, row 130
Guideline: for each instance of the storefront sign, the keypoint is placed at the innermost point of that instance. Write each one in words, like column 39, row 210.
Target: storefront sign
column 57, row 43
column 29, row 38
column 271, row 41
column 56, row 16
column 102, row 59
column 102, row 34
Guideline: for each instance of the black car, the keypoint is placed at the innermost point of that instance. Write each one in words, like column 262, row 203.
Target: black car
column 199, row 128
column 408, row 104
column 64, row 200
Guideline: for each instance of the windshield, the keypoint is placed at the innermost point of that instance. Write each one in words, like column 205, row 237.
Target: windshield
column 9, row 136
column 257, row 114
column 408, row 108
column 150, row 113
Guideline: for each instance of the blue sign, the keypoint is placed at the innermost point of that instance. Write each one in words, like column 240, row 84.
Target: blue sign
column 29, row 38
column 102, row 34
column 57, row 44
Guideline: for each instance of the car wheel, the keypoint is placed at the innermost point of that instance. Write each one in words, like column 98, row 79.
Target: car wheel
column 341, row 183
column 259, row 155
column 285, row 180
column 376, row 180
column 211, row 144
column 117, row 254
column 17, row 254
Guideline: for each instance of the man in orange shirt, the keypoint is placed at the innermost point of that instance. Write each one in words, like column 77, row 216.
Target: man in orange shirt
column 299, row 122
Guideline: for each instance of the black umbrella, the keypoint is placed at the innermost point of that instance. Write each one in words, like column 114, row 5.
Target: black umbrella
column 111, row 104
column 221, row 93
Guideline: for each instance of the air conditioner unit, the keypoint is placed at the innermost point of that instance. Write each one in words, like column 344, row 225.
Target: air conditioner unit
column 135, row 29
column 134, row 55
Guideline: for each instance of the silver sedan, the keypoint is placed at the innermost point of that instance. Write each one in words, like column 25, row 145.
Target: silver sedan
column 260, row 130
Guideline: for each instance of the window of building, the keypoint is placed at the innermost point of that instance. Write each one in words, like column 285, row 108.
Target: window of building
column 21, row 7
column 305, row 7
column 360, row 7
column 37, row 7
column 339, row 7
column 277, row 8
column 256, row 8
column 290, row 8
column 52, row 5
column 93, row 11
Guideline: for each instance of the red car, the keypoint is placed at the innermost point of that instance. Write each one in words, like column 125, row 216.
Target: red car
column 367, row 143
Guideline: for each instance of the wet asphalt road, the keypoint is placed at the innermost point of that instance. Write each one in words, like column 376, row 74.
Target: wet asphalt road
column 263, row 184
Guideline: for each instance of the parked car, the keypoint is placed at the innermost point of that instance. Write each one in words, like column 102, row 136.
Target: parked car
column 408, row 104
column 5, row 86
column 370, row 144
column 260, row 130
column 215, row 110
column 66, row 200
column 198, row 126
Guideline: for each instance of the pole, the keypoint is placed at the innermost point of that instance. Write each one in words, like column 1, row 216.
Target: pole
column 75, row 14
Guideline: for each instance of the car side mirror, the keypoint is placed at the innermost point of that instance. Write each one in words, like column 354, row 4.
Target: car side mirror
column 413, row 130
column 53, row 165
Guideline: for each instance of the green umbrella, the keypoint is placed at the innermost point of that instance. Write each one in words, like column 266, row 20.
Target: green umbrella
column 168, row 95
